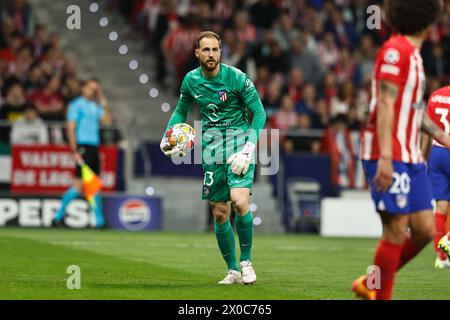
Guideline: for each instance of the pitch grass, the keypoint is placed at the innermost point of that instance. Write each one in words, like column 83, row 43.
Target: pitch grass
column 121, row 265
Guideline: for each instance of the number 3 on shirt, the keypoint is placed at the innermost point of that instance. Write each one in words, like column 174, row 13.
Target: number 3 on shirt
column 443, row 112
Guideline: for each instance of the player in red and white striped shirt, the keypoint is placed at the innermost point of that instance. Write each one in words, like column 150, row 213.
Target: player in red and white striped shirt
column 390, row 148
column 397, row 62
column 439, row 171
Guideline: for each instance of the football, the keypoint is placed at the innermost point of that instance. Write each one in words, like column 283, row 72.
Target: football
column 181, row 135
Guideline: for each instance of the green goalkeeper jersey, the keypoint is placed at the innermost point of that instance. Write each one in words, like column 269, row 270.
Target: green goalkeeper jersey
column 224, row 103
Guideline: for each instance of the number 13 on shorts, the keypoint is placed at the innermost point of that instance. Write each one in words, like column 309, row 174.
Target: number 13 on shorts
column 208, row 180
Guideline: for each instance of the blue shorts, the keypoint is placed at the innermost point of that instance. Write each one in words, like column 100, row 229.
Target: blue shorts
column 439, row 172
column 410, row 191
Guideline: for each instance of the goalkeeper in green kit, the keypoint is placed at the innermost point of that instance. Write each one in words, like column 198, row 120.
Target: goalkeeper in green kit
column 224, row 95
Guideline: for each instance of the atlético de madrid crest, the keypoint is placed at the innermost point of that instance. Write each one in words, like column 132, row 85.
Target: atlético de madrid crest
column 222, row 94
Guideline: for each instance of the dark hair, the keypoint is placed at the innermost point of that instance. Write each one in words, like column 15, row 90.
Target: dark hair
column 35, row 64
column 9, row 84
column 339, row 118
column 207, row 34
column 15, row 34
column 30, row 106
column 40, row 26
column 410, row 17
column 91, row 79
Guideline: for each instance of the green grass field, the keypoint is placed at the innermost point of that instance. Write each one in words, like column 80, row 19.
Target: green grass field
column 120, row 265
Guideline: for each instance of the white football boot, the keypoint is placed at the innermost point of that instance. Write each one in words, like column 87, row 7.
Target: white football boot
column 248, row 274
column 441, row 264
column 232, row 277
column 444, row 245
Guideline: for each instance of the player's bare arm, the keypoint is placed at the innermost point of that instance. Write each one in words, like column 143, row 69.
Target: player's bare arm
column 429, row 127
column 387, row 95
column 72, row 141
column 426, row 146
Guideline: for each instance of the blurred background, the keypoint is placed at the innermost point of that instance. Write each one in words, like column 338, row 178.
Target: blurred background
column 311, row 62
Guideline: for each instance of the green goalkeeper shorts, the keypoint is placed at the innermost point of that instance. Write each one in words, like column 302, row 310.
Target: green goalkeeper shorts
column 218, row 180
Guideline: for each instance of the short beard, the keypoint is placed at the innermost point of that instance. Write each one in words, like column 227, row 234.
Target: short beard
column 207, row 68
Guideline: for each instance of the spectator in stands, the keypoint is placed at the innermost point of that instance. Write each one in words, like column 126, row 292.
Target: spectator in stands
column 48, row 101
column 342, row 102
column 264, row 13
column 308, row 101
column 53, row 57
column 337, row 143
column 433, row 84
column 328, row 51
column 7, row 29
column 343, row 31
column 306, row 60
column 40, row 40
column 295, row 84
column 262, row 49
column 438, row 66
column 178, row 47
column 285, row 31
column 240, row 59
column 284, row 118
column 277, row 60
column 223, row 10
column 70, row 89
column 20, row 67
column 366, row 58
column 166, row 20
column 36, row 80
column 272, row 99
column 30, row 129
column 13, row 42
column 353, row 121
column 204, row 15
column 321, row 117
column 346, row 69
column 12, row 108
column 357, row 15
column 329, row 89
column 300, row 138
column 262, row 81
column 20, row 12
column 69, row 68
column 228, row 40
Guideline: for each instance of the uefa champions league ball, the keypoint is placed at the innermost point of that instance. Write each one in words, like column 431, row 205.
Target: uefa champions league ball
column 181, row 135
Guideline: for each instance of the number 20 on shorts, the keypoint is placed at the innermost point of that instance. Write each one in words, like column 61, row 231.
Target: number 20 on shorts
column 401, row 184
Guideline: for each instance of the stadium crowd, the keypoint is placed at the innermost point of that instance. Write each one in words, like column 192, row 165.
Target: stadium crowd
column 37, row 79
column 311, row 61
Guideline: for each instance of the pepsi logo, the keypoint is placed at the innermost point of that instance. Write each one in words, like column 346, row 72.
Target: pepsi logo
column 134, row 214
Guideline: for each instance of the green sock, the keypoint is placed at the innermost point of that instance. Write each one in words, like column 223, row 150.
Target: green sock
column 244, row 228
column 225, row 240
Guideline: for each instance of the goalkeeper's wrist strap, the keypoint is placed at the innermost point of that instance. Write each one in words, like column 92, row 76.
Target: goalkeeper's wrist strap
column 249, row 148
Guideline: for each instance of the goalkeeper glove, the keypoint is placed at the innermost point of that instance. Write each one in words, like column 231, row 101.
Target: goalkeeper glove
column 240, row 161
column 170, row 150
